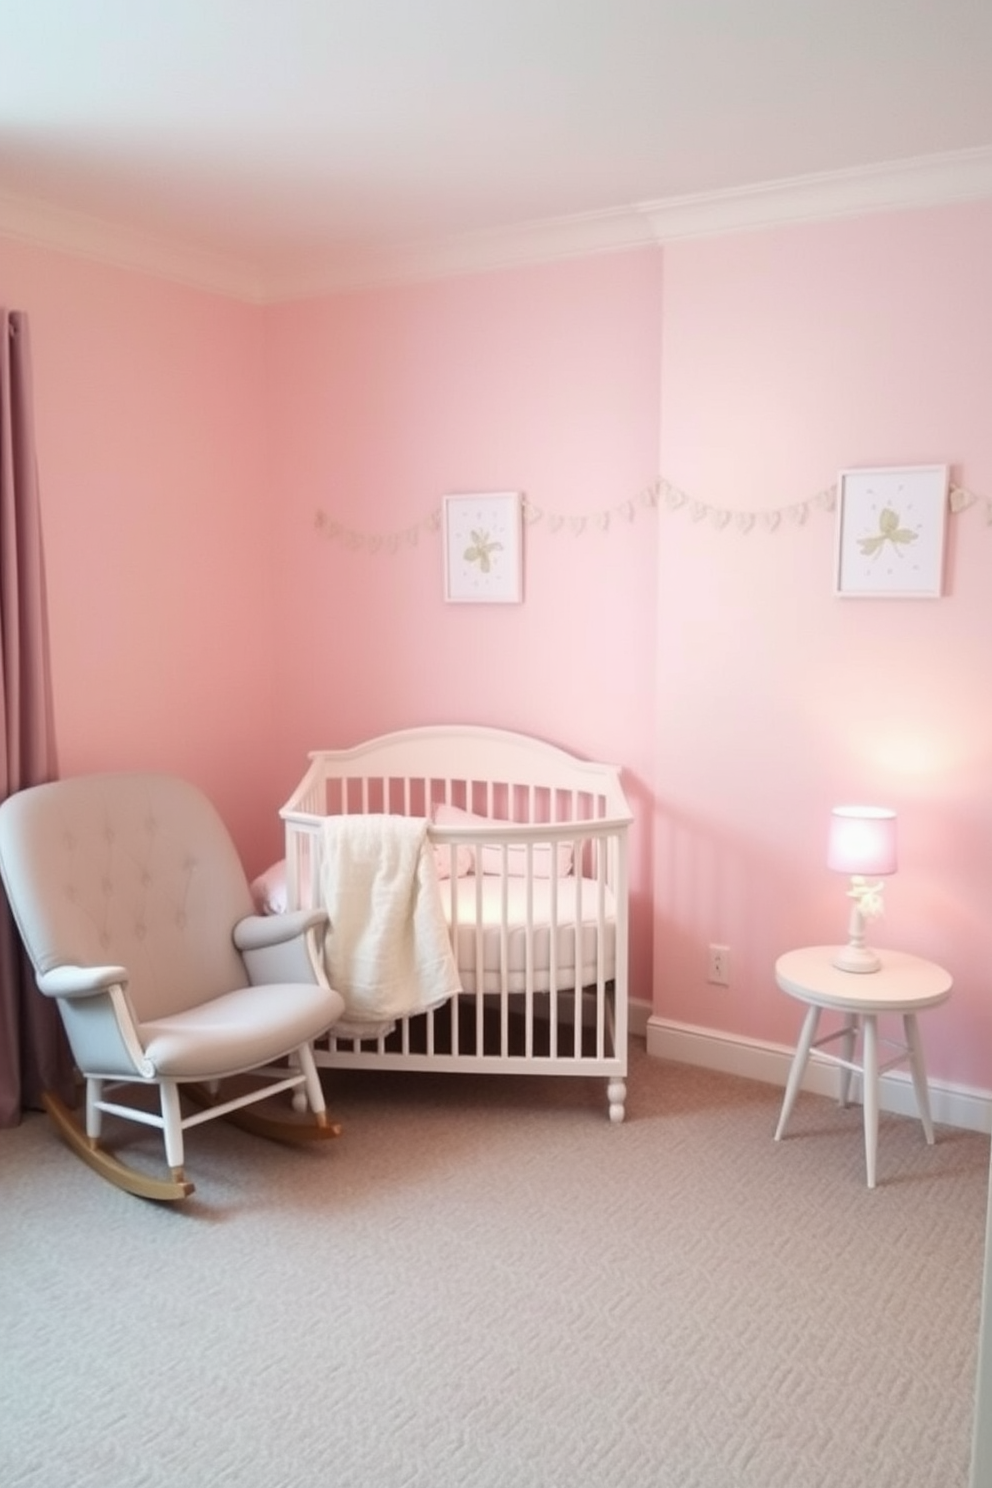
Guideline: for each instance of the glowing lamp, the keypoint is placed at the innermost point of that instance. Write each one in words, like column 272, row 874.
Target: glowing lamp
column 863, row 845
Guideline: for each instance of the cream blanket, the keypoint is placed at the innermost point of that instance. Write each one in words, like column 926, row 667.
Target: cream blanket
column 387, row 948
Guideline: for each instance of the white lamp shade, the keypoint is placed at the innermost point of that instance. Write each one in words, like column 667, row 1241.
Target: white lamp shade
column 862, row 840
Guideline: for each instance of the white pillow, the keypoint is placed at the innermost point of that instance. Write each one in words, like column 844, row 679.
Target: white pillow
column 269, row 890
column 492, row 857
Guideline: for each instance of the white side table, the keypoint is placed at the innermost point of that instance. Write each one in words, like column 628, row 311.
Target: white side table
column 904, row 984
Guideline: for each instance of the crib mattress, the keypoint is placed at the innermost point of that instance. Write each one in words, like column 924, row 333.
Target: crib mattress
column 570, row 942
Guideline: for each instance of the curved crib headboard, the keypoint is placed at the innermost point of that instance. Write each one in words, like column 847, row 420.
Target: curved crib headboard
column 464, row 753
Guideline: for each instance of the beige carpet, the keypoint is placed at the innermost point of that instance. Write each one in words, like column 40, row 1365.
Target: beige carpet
column 485, row 1283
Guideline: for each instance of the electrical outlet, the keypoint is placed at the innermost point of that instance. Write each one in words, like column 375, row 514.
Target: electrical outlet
column 719, row 972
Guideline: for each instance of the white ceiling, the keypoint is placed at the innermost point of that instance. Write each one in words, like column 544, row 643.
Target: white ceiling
column 271, row 146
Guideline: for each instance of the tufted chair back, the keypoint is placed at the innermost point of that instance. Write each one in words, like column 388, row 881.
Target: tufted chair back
column 133, row 870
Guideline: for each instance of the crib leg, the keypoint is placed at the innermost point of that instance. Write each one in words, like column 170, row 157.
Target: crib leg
column 616, row 1094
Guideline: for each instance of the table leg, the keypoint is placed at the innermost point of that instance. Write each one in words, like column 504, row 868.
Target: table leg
column 870, row 1077
column 798, row 1066
column 919, row 1073
column 847, row 1054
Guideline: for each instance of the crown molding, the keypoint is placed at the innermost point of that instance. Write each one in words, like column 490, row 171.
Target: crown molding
column 102, row 241
column 927, row 181
column 544, row 241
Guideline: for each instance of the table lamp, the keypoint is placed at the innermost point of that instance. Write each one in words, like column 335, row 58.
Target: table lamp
column 863, row 844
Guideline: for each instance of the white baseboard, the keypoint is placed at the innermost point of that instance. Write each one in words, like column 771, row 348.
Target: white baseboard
column 951, row 1105
column 638, row 1016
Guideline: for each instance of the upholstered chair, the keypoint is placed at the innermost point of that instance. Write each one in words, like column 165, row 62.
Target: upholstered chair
column 136, row 913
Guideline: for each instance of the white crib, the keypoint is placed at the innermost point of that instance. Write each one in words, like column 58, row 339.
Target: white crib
column 534, row 885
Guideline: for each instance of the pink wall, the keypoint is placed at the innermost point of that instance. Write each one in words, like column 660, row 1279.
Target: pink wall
column 544, row 380
column 200, row 621
column 787, row 356
column 151, row 448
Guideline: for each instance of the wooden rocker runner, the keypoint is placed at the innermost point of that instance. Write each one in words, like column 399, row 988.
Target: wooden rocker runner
column 135, row 911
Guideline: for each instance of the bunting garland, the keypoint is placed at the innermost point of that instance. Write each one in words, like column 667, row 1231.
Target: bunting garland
column 960, row 499
column 660, row 495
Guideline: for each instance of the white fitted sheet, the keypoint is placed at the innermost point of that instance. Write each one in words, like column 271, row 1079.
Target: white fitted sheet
column 565, row 914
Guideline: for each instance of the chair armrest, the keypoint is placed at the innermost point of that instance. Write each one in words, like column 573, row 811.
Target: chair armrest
column 104, row 1035
column 80, row 981
column 258, row 932
column 283, row 948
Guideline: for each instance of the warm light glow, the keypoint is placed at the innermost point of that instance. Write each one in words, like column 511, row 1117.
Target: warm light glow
column 862, row 844
column 862, row 840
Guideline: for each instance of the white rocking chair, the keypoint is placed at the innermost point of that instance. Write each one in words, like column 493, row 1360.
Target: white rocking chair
column 135, row 911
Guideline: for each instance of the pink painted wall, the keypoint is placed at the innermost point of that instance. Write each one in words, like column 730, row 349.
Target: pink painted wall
column 201, row 621
column 787, row 356
column 151, row 453
column 543, row 380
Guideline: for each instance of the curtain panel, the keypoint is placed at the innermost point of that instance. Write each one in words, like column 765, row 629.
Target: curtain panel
column 34, row 1056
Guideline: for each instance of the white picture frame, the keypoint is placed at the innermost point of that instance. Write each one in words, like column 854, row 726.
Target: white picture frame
column 483, row 542
column 890, row 531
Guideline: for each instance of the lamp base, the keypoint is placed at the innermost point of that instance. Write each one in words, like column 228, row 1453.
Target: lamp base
column 857, row 958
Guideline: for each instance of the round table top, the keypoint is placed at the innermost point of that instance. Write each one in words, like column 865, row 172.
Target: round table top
column 903, row 983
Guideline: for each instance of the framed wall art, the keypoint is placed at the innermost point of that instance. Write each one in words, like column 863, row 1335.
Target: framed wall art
column 483, row 560
column 890, row 532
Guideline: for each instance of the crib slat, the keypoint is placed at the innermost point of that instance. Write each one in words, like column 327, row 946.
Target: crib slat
column 553, row 1009
column 575, row 930
column 504, row 958
column 529, row 954
column 600, row 954
column 480, row 966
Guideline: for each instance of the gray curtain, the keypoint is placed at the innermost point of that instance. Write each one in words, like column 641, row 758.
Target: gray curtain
column 34, row 1056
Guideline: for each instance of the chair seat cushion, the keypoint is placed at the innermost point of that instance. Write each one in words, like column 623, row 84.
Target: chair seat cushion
column 239, row 1029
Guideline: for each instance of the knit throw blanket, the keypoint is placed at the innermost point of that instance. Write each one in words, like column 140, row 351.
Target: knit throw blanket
column 387, row 948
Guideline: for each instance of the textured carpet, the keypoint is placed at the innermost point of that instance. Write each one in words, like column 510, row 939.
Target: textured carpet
column 483, row 1283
